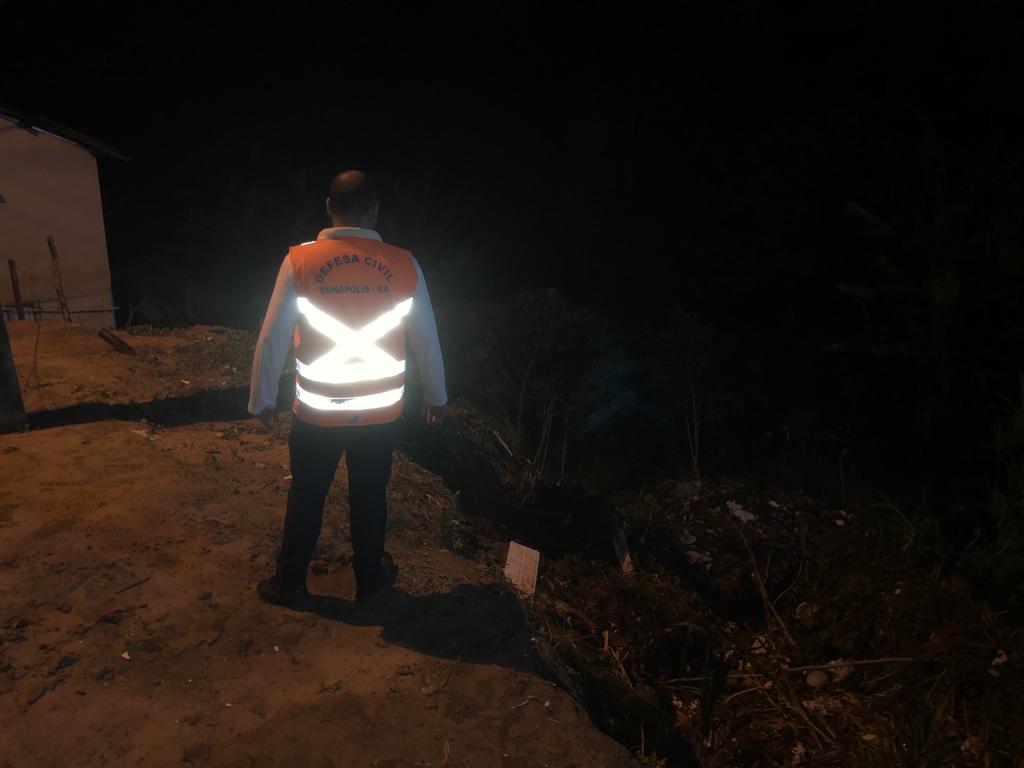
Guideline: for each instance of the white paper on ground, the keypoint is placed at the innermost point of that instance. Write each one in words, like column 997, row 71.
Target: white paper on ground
column 521, row 567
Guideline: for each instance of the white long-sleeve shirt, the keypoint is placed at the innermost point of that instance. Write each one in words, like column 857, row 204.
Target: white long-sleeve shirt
column 283, row 313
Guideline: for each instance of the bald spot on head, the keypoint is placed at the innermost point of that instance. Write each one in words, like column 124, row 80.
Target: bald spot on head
column 353, row 200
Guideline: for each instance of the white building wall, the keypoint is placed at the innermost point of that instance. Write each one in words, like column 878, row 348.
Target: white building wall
column 51, row 187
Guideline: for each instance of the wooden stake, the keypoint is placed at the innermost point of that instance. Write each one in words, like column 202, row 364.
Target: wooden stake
column 55, row 260
column 116, row 342
column 621, row 545
column 17, row 289
column 12, row 408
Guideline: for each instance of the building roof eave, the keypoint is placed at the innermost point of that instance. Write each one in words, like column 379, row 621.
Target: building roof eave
column 36, row 125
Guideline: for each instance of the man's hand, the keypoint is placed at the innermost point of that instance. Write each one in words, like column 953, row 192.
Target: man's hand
column 433, row 415
column 268, row 418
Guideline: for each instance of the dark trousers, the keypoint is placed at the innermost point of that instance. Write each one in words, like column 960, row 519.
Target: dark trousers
column 315, row 453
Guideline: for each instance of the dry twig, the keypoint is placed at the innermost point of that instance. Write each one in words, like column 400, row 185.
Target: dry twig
column 769, row 606
column 138, row 583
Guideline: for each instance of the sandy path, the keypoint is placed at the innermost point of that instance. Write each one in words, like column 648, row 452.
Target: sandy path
column 442, row 675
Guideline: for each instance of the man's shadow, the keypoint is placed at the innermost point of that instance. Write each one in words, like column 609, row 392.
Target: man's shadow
column 472, row 623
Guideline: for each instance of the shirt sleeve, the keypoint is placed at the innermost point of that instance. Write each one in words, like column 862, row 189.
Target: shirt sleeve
column 274, row 341
column 421, row 329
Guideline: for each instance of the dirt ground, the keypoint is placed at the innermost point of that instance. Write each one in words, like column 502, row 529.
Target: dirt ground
column 130, row 633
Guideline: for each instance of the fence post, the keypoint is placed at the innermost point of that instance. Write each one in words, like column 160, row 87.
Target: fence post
column 12, row 408
column 17, row 289
column 55, row 259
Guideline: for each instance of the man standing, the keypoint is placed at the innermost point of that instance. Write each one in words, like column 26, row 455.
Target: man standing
column 349, row 302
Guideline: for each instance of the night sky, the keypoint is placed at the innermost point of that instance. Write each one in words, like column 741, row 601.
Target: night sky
column 626, row 153
column 694, row 157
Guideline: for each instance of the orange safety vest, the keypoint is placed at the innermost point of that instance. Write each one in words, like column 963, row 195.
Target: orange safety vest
column 354, row 294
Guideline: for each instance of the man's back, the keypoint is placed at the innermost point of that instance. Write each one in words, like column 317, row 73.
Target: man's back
column 356, row 279
column 349, row 303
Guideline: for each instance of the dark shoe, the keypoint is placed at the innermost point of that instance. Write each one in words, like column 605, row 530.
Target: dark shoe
column 381, row 590
column 274, row 591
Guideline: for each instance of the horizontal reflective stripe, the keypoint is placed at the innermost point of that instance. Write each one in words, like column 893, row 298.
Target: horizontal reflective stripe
column 328, row 370
column 362, row 403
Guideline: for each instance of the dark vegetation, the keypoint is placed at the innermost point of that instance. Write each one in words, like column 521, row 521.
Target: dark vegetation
column 776, row 248
column 748, row 582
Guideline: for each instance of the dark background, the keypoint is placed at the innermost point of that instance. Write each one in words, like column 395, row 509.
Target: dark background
column 820, row 203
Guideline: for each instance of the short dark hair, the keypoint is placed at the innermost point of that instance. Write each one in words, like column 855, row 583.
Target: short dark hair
column 353, row 193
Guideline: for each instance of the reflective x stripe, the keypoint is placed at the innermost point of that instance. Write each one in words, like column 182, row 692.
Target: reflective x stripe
column 361, row 403
column 336, row 367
